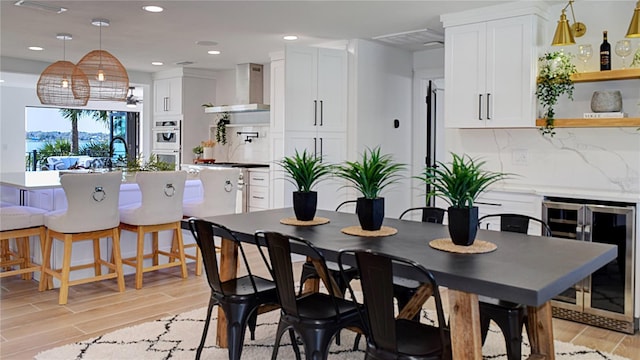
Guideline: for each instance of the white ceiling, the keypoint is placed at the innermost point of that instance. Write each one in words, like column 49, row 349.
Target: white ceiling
column 246, row 31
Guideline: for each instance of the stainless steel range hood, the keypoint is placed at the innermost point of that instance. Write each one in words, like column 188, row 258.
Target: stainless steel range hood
column 249, row 94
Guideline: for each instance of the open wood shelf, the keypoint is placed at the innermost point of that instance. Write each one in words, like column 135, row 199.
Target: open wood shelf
column 619, row 74
column 604, row 122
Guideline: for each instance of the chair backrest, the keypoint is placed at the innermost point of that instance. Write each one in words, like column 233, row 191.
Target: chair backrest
column 204, row 231
column 515, row 223
column 376, row 277
column 345, row 204
column 92, row 202
column 162, row 195
column 429, row 214
column 219, row 187
column 279, row 249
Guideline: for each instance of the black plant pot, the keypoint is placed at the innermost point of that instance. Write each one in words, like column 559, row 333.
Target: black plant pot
column 370, row 213
column 305, row 204
column 463, row 225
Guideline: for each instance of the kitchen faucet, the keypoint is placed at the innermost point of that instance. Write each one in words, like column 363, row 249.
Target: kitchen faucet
column 111, row 143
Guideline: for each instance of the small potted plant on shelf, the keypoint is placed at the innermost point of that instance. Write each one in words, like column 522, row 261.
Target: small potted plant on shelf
column 197, row 151
column 554, row 79
column 305, row 171
column 459, row 183
column 373, row 173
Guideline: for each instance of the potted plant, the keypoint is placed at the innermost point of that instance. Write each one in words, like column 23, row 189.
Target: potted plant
column 221, row 128
column 554, row 79
column 459, row 183
column 197, row 151
column 370, row 176
column 305, row 171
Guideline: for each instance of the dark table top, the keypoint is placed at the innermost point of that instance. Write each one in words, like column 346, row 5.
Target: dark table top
column 524, row 269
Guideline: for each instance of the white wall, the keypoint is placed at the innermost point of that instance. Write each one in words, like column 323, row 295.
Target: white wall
column 383, row 92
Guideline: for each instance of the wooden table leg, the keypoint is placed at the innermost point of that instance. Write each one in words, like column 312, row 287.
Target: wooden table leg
column 541, row 332
column 466, row 339
column 311, row 285
column 228, row 270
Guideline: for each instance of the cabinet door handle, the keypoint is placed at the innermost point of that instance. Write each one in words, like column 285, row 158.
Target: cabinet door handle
column 315, row 146
column 488, row 111
column 479, row 106
column 321, row 115
column 321, row 152
column 258, row 197
column 315, row 112
column 166, row 103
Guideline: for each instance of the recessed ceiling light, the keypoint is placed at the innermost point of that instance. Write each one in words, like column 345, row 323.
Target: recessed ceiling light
column 35, row 48
column 290, row 37
column 206, row 43
column 64, row 36
column 153, row 8
column 213, row 52
column 40, row 6
column 157, row 63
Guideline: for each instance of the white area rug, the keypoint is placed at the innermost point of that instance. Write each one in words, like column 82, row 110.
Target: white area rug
column 177, row 337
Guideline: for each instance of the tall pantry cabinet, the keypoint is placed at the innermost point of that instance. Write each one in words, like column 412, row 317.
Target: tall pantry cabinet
column 313, row 117
column 490, row 70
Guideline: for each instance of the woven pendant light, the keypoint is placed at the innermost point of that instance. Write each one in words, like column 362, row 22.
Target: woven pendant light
column 63, row 83
column 108, row 79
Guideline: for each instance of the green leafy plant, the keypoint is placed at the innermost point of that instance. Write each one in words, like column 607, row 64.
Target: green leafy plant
column 198, row 150
column 152, row 164
column 459, row 182
column 372, row 173
column 636, row 59
column 305, row 170
column 221, row 128
column 554, row 79
column 95, row 149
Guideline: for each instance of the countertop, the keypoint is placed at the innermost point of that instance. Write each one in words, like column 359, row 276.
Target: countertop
column 228, row 164
column 568, row 192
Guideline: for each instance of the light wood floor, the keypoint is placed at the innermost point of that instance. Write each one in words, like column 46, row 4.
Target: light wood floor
column 32, row 321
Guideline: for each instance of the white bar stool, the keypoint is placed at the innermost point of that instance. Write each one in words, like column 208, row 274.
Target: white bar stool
column 219, row 189
column 160, row 210
column 92, row 214
column 20, row 222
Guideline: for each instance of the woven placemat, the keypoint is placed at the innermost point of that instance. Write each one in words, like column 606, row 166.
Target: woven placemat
column 357, row 231
column 293, row 221
column 478, row 246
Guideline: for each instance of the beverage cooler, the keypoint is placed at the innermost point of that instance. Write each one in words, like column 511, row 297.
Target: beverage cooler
column 606, row 298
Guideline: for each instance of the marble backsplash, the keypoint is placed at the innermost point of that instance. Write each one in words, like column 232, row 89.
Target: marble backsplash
column 239, row 150
column 579, row 161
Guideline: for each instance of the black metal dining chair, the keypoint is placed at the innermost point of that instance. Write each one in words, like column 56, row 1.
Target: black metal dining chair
column 316, row 317
column 510, row 317
column 429, row 214
column 391, row 338
column 240, row 298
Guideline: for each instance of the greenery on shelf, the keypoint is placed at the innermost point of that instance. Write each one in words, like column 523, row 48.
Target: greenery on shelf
column 305, row 170
column 221, row 128
column 372, row 173
column 198, row 150
column 554, row 79
column 459, row 182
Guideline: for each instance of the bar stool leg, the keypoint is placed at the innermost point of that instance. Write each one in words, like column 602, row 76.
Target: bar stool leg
column 140, row 258
column 154, row 246
column 24, row 251
column 183, row 261
column 117, row 258
column 97, row 268
column 198, row 261
column 46, row 264
column 66, row 269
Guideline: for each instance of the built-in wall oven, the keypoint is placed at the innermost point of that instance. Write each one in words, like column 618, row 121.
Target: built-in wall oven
column 166, row 135
column 606, row 298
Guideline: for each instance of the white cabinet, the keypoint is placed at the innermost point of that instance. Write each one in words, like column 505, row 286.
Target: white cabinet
column 312, row 91
column 258, row 196
column 490, row 70
column 315, row 89
column 167, row 96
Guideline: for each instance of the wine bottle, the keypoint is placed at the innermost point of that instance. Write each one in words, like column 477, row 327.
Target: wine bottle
column 605, row 53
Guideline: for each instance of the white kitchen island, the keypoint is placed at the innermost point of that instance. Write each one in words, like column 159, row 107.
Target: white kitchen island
column 42, row 189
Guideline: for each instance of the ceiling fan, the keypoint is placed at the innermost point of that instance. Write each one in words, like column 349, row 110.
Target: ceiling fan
column 132, row 101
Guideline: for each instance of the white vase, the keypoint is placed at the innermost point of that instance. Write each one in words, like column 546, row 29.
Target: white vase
column 207, row 153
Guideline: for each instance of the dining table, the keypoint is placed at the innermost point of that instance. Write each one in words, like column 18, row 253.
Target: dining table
column 524, row 269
